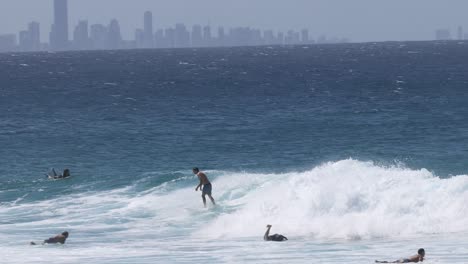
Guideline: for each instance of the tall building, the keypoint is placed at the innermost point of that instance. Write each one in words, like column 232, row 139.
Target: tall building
column 114, row 37
column 7, row 42
column 197, row 36
column 159, row 38
column 24, row 40
column 443, row 34
column 221, row 37
column 305, row 36
column 98, row 36
column 139, row 38
column 269, row 37
column 182, row 36
column 206, row 36
column 460, row 33
column 280, row 38
column 169, row 38
column 29, row 40
column 34, row 36
column 148, row 30
column 59, row 34
column 81, row 36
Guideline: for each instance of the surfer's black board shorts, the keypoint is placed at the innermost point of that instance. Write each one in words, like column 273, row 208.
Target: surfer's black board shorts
column 206, row 189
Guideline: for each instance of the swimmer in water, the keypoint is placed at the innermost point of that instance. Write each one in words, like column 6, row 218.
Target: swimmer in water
column 61, row 238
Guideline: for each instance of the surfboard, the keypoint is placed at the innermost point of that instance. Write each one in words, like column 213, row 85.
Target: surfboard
column 51, row 177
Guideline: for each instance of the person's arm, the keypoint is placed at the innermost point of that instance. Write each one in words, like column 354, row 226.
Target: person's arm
column 199, row 185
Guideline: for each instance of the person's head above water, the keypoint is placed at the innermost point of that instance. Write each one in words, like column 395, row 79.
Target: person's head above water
column 421, row 252
column 65, row 234
column 66, row 173
column 195, row 170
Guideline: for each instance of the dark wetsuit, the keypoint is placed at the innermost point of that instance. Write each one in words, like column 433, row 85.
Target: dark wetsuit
column 277, row 237
column 55, row 240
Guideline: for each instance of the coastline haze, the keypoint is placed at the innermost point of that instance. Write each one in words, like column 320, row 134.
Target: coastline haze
column 361, row 20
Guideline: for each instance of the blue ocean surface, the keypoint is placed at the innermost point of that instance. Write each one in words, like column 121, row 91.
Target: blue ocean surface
column 355, row 152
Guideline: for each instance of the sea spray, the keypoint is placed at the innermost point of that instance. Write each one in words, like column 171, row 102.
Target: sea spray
column 348, row 199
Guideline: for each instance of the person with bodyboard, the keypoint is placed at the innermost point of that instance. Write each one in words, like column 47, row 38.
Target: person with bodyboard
column 55, row 176
column 61, row 238
column 414, row 259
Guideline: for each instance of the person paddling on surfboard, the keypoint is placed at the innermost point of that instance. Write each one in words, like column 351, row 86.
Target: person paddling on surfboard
column 414, row 259
column 275, row 237
column 56, row 239
column 66, row 174
column 206, row 190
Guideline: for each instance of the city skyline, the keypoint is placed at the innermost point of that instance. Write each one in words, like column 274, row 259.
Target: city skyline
column 83, row 35
column 101, row 36
column 360, row 20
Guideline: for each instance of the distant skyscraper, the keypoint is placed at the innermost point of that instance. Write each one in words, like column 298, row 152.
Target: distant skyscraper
column 34, row 36
column 280, row 38
column 443, row 34
column 114, row 37
column 29, row 40
column 305, row 36
column 81, row 36
column 169, row 36
column 221, row 37
column 140, row 38
column 197, row 36
column 460, row 33
column 59, row 33
column 24, row 40
column 148, row 30
column 98, row 36
column 207, row 36
column 159, row 38
column 269, row 37
column 7, row 42
column 182, row 36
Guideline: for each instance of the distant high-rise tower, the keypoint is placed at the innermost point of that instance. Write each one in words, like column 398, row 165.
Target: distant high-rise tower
column 35, row 36
column 182, row 36
column 81, row 36
column 305, row 36
column 207, row 36
column 197, row 36
column 460, row 33
column 148, row 30
column 443, row 34
column 221, row 37
column 59, row 34
column 114, row 38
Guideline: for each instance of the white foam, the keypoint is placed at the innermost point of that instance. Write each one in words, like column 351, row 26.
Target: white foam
column 345, row 199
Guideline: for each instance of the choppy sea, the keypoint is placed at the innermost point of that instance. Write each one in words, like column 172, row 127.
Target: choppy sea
column 355, row 152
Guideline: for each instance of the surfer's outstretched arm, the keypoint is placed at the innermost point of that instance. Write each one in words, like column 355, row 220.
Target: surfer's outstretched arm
column 53, row 170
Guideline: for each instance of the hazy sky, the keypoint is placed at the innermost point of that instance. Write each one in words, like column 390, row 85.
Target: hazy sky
column 358, row 20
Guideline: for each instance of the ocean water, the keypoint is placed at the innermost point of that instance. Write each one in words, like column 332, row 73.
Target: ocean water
column 355, row 152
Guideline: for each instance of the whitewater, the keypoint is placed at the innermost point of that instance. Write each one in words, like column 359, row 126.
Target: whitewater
column 346, row 211
column 355, row 152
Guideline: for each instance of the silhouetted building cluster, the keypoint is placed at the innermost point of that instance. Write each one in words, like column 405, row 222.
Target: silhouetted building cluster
column 445, row 34
column 98, row 36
